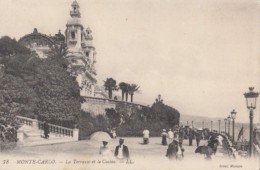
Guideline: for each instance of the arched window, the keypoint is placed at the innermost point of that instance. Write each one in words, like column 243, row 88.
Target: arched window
column 73, row 35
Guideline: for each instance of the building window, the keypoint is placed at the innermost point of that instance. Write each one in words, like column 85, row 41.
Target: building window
column 73, row 35
column 87, row 54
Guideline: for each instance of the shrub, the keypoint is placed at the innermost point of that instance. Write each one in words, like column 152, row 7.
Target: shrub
column 4, row 146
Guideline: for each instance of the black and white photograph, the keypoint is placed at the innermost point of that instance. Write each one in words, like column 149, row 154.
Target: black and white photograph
column 129, row 85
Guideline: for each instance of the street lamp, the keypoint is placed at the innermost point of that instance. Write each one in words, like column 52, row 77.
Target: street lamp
column 225, row 125
column 202, row 124
column 251, row 97
column 218, row 126
column 211, row 125
column 192, row 124
column 229, row 118
column 233, row 116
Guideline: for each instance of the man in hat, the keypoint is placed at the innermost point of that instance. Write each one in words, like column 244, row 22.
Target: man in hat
column 191, row 135
column 121, row 151
column 46, row 130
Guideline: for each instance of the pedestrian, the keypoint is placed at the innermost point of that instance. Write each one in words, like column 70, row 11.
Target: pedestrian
column 170, row 136
column 121, row 151
column 164, row 137
column 104, row 150
column 46, row 130
column 174, row 151
column 198, row 138
column 176, row 132
column 114, row 133
column 191, row 135
column 146, row 136
column 181, row 137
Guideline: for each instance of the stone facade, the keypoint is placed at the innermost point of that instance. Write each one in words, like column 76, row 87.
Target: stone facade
column 81, row 52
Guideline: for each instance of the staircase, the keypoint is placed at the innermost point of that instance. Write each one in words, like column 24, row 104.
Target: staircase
column 31, row 133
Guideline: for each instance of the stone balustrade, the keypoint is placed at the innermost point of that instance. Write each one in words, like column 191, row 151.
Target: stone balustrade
column 97, row 105
column 25, row 120
column 58, row 130
column 55, row 129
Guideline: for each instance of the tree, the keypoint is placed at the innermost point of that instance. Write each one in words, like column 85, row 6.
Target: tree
column 59, row 94
column 127, row 91
column 159, row 99
column 123, row 88
column 114, row 117
column 110, row 85
column 10, row 46
column 58, row 53
column 16, row 97
column 132, row 89
column 164, row 113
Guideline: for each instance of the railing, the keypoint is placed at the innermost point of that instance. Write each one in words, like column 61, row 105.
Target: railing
column 58, row 130
column 24, row 120
column 111, row 101
column 256, row 150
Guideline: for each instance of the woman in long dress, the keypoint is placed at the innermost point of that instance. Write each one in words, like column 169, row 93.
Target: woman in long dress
column 164, row 137
column 105, row 151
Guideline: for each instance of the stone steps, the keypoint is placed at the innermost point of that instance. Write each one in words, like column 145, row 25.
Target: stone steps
column 34, row 137
column 42, row 141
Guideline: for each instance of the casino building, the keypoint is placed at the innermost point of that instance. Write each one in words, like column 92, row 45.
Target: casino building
column 80, row 51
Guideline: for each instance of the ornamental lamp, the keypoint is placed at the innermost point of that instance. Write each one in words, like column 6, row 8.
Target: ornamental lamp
column 251, row 97
column 229, row 118
column 233, row 114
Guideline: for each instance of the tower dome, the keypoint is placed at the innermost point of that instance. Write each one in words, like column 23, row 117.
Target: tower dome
column 74, row 21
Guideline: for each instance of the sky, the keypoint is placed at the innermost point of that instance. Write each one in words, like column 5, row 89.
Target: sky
column 201, row 56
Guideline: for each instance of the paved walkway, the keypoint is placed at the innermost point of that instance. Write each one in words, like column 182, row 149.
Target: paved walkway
column 82, row 153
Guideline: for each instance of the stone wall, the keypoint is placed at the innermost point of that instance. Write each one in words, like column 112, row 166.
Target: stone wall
column 97, row 106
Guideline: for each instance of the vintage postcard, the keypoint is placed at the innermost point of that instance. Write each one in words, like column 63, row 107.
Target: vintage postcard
column 133, row 84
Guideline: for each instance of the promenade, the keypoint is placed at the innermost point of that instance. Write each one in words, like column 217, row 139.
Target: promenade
column 91, row 148
column 152, row 156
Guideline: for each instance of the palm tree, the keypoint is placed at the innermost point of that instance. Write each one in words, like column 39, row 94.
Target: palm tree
column 132, row 89
column 123, row 87
column 127, row 91
column 58, row 54
column 110, row 85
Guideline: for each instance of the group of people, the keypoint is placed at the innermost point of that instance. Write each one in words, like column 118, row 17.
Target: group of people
column 121, row 150
column 197, row 134
column 171, row 135
column 174, row 138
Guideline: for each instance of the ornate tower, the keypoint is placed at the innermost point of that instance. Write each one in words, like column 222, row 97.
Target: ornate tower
column 81, row 52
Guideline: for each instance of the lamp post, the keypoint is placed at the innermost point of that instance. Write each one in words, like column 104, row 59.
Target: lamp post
column 218, row 126
column 251, row 97
column 211, row 123
column 202, row 124
column 233, row 116
column 225, row 125
column 192, row 123
column 229, row 118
